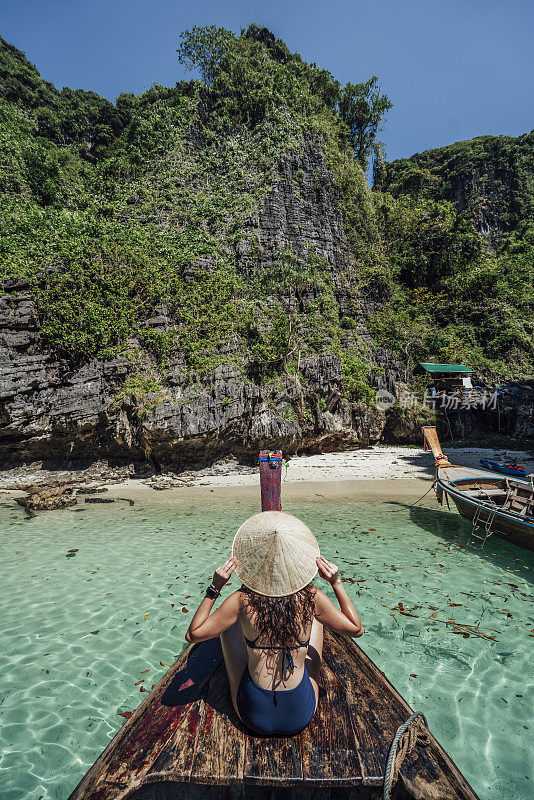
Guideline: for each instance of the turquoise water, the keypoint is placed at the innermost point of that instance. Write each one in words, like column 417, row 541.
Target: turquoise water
column 80, row 629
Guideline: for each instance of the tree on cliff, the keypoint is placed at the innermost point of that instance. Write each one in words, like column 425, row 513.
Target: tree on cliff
column 362, row 108
column 203, row 49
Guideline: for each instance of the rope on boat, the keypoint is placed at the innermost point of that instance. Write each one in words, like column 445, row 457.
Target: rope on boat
column 408, row 735
column 417, row 501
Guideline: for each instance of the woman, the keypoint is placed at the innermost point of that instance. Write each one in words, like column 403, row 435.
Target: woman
column 271, row 628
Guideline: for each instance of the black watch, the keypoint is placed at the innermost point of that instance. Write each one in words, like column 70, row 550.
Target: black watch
column 212, row 592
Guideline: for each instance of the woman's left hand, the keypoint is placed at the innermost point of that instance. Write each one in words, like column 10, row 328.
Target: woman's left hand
column 222, row 574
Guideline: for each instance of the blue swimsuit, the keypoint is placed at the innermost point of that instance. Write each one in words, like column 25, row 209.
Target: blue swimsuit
column 275, row 713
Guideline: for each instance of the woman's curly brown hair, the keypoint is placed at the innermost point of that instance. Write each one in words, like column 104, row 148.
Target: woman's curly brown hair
column 280, row 621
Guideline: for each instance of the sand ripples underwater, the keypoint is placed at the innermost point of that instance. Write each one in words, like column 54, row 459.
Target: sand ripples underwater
column 451, row 625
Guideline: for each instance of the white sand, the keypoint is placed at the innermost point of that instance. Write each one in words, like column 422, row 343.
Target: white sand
column 374, row 472
column 372, row 463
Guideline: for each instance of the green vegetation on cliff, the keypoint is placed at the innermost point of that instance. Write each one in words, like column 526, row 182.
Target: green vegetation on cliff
column 118, row 214
column 488, row 179
column 114, row 213
column 463, row 239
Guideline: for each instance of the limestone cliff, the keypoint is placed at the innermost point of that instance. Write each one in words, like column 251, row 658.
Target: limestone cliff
column 489, row 179
column 56, row 413
column 203, row 270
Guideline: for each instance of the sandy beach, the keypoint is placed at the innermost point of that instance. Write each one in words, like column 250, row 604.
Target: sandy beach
column 378, row 463
column 374, row 472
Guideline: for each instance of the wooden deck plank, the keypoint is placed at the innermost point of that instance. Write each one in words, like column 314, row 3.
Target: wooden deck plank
column 220, row 754
column 273, row 761
column 375, row 715
column 202, row 742
column 428, row 772
column 176, row 755
column 329, row 748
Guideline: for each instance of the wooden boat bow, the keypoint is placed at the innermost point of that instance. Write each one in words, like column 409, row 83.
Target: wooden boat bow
column 203, row 742
column 186, row 732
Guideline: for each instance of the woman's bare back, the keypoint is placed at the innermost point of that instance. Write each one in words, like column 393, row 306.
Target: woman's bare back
column 265, row 666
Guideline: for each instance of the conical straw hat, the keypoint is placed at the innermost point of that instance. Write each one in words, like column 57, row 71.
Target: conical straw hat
column 276, row 554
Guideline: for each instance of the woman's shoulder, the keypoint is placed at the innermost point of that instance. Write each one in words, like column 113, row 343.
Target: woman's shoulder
column 240, row 599
column 321, row 599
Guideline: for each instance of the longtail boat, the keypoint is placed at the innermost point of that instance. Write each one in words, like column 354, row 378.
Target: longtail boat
column 494, row 504
column 185, row 740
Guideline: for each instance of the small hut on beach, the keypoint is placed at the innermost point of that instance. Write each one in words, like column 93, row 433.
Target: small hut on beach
column 448, row 378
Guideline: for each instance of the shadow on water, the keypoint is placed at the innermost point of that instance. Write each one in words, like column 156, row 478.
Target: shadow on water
column 301, row 791
column 454, row 529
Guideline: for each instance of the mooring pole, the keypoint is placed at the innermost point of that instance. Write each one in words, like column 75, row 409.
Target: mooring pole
column 271, row 480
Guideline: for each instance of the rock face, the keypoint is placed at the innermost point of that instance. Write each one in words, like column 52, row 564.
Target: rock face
column 305, row 219
column 59, row 416
column 489, row 179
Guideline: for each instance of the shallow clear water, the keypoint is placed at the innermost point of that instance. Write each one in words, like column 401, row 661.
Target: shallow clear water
column 79, row 630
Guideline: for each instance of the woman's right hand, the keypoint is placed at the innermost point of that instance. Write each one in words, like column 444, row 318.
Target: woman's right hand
column 222, row 574
column 327, row 570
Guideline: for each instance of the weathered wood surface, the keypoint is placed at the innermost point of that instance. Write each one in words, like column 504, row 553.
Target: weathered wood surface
column 202, row 741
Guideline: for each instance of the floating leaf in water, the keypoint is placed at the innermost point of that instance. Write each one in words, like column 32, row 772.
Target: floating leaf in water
column 413, row 675
column 139, row 682
column 142, row 689
column 148, row 613
column 93, row 633
column 163, row 665
column 126, row 714
column 144, row 671
column 185, row 611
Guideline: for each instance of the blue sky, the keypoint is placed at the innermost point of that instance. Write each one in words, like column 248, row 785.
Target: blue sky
column 454, row 69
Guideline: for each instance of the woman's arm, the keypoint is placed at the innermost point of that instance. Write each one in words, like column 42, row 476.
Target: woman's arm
column 205, row 625
column 344, row 621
